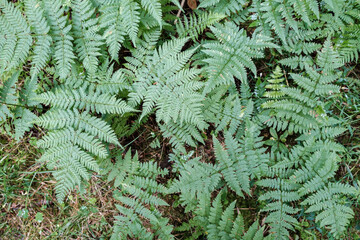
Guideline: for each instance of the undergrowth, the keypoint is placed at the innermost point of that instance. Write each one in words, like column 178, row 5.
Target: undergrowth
column 155, row 119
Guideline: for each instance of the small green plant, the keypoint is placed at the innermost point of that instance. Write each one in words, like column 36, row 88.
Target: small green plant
column 239, row 116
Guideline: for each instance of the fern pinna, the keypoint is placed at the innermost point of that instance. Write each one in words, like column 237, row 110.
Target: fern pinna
column 242, row 96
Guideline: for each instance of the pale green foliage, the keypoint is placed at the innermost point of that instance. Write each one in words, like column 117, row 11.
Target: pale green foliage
column 302, row 109
column 15, row 38
column 8, row 97
column 223, row 6
column 118, row 24
column 63, row 45
column 88, row 40
column 324, row 196
column 24, row 117
column 14, row 104
column 139, row 190
column 101, row 76
column 211, row 219
column 35, row 15
column 245, row 159
column 280, row 196
column 73, row 127
column 275, row 84
column 231, row 55
column 66, row 98
column 313, row 183
column 224, row 224
column 194, row 25
column 229, row 112
column 163, row 83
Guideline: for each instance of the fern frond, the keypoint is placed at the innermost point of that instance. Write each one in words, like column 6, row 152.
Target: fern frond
column 24, row 117
column 8, row 96
column 138, row 191
column 153, row 7
column 58, row 119
column 93, row 101
column 35, row 14
column 223, row 6
column 17, row 37
column 333, row 212
column 196, row 23
column 60, row 29
column 85, row 29
column 229, row 57
column 279, row 199
column 321, row 193
column 195, row 179
column 222, row 224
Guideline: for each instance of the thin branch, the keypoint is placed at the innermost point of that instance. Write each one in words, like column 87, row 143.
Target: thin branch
column 179, row 12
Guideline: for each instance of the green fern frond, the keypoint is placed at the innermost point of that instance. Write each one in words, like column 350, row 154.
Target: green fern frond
column 71, row 165
column 165, row 85
column 275, row 84
column 8, row 96
column 153, row 7
column 58, row 119
column 35, row 14
column 321, row 193
column 139, row 189
column 333, row 212
column 278, row 202
column 195, row 179
column 16, row 37
column 93, row 101
column 301, row 109
column 196, row 23
column 229, row 57
column 85, row 29
column 224, row 224
column 24, row 117
column 224, row 6
column 60, row 30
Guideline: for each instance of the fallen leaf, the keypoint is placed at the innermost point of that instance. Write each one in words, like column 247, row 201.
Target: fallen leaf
column 192, row 4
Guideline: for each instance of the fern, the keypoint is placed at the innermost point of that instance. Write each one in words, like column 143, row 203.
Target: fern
column 304, row 110
column 137, row 188
column 229, row 57
column 35, row 14
column 69, row 128
column 88, row 40
column 224, row 225
column 196, row 179
column 117, row 24
column 23, row 116
column 17, row 105
column 97, row 74
column 275, row 84
column 279, row 198
column 63, row 45
column 194, row 25
column 8, row 97
column 243, row 161
column 154, row 9
column 215, row 222
column 224, row 6
column 163, row 83
column 322, row 195
column 15, row 37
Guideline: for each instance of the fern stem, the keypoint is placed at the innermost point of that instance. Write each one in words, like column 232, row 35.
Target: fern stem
column 18, row 105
